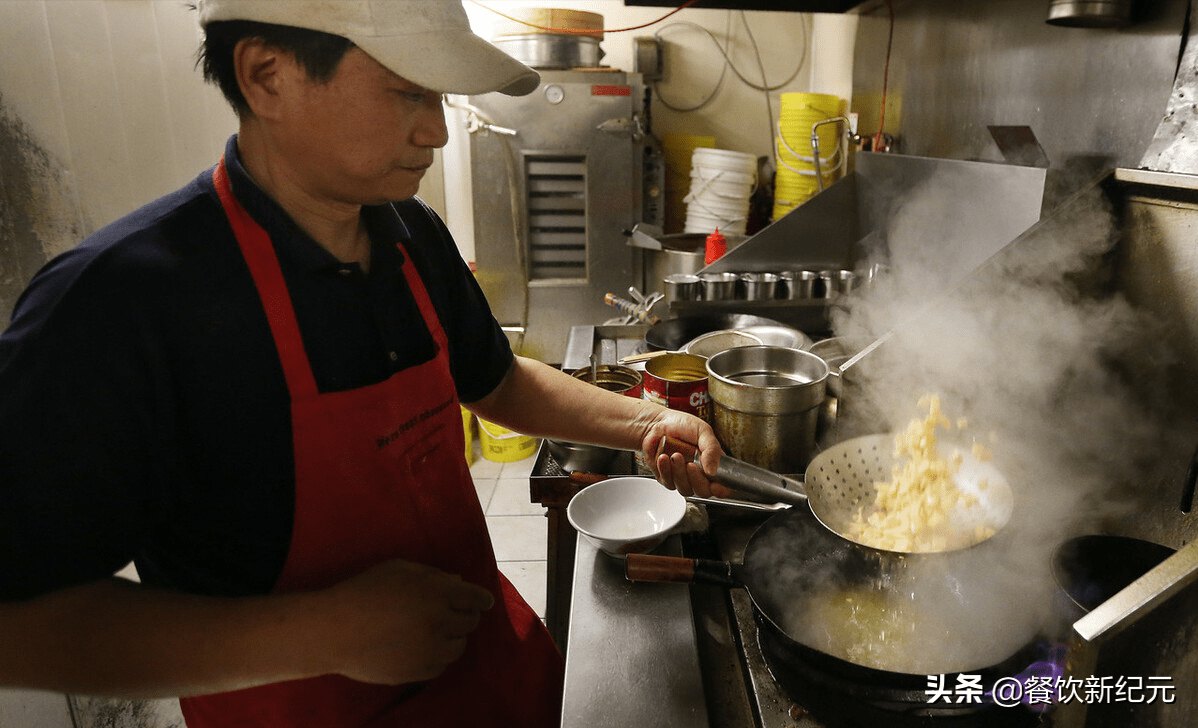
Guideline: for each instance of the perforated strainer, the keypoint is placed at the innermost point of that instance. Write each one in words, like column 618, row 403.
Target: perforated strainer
column 840, row 483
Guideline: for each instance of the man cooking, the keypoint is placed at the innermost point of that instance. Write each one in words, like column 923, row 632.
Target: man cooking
column 250, row 388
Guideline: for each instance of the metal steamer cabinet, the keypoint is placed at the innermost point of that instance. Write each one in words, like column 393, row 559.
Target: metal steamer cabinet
column 558, row 178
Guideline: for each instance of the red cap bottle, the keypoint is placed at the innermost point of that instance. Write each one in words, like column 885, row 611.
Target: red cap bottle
column 716, row 245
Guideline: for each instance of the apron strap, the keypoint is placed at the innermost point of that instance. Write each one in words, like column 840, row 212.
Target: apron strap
column 272, row 289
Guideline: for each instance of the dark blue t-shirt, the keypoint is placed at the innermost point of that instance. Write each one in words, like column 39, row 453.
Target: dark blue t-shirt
column 143, row 410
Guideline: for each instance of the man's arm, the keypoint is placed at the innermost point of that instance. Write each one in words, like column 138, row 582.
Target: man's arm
column 397, row 622
column 538, row 400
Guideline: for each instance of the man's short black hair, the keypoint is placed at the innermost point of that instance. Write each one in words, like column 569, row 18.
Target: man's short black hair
column 318, row 53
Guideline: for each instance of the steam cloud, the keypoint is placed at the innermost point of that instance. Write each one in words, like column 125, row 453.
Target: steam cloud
column 1037, row 351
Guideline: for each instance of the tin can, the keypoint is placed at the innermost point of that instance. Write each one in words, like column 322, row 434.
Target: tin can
column 679, row 382
column 614, row 378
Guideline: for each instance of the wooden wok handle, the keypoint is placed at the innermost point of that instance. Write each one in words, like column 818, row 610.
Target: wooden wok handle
column 583, row 478
column 671, row 445
column 649, row 567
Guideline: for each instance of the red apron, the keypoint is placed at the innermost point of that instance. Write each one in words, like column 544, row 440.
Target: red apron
column 380, row 475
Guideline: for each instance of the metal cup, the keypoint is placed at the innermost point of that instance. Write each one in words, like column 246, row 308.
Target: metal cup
column 758, row 286
column 833, row 283
column 718, row 286
column 681, row 287
column 797, row 285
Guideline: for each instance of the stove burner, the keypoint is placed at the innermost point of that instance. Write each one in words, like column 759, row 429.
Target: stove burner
column 840, row 702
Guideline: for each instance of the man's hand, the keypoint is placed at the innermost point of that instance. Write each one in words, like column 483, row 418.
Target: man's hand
column 402, row 622
column 679, row 470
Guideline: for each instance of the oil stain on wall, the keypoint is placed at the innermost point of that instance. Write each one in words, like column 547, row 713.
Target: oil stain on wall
column 89, row 712
column 39, row 215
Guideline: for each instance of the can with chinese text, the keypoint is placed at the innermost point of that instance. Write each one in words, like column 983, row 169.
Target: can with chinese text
column 678, row 382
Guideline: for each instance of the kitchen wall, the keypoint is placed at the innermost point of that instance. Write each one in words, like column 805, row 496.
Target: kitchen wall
column 1092, row 97
column 101, row 110
column 798, row 52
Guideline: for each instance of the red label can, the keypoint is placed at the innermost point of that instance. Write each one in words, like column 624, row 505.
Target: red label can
column 679, row 382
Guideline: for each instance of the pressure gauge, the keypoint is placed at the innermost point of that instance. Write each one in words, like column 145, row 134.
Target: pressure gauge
column 554, row 94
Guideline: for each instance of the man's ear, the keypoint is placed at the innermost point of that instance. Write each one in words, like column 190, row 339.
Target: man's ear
column 261, row 71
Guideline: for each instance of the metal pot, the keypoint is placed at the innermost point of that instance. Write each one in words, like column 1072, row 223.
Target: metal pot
column 673, row 254
column 552, row 50
column 834, row 352
column 578, row 457
column 673, row 334
column 765, row 404
column 672, row 260
column 1090, row 13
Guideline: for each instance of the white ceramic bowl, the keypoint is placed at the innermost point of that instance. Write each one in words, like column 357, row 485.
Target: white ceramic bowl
column 626, row 515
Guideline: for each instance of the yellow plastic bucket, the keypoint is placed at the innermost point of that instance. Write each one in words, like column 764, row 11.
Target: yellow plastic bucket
column 501, row 445
column 468, row 430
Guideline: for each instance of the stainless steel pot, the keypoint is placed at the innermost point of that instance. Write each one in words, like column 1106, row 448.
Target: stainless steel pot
column 676, row 253
column 552, row 50
column 1090, row 13
column 834, row 352
column 668, row 261
column 580, row 457
column 765, row 404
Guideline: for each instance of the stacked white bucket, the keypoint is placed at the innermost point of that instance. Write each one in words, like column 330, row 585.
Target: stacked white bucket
column 722, row 181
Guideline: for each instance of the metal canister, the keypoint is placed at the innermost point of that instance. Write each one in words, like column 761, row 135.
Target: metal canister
column 765, row 403
column 678, row 382
column 614, row 378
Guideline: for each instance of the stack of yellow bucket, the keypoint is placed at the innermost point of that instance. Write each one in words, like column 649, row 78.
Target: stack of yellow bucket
column 795, row 182
column 501, row 445
column 468, row 431
column 678, row 151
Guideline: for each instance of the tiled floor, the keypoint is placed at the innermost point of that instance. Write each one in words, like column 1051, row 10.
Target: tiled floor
column 518, row 527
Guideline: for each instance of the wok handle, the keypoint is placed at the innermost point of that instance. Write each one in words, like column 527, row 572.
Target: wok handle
column 581, row 477
column 650, row 567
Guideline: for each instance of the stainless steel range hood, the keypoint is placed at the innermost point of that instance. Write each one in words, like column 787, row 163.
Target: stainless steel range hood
column 981, row 206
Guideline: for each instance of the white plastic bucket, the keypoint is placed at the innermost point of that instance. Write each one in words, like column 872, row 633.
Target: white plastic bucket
column 722, row 181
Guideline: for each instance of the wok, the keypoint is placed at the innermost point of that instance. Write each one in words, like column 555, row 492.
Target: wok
column 673, row 334
column 798, row 574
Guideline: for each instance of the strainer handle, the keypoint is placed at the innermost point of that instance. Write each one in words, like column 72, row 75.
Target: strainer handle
column 742, row 476
column 758, row 481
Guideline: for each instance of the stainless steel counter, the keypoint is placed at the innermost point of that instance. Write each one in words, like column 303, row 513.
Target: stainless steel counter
column 632, row 657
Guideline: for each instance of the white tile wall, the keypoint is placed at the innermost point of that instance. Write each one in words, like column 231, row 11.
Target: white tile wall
column 109, row 91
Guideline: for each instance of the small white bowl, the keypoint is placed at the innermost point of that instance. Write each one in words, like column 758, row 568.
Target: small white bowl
column 626, row 515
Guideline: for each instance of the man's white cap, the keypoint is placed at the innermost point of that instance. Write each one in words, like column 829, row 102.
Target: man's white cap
column 427, row 42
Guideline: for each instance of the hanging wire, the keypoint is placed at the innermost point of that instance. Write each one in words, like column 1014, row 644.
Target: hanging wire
column 714, row 89
column 769, row 108
column 880, row 138
column 764, row 86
